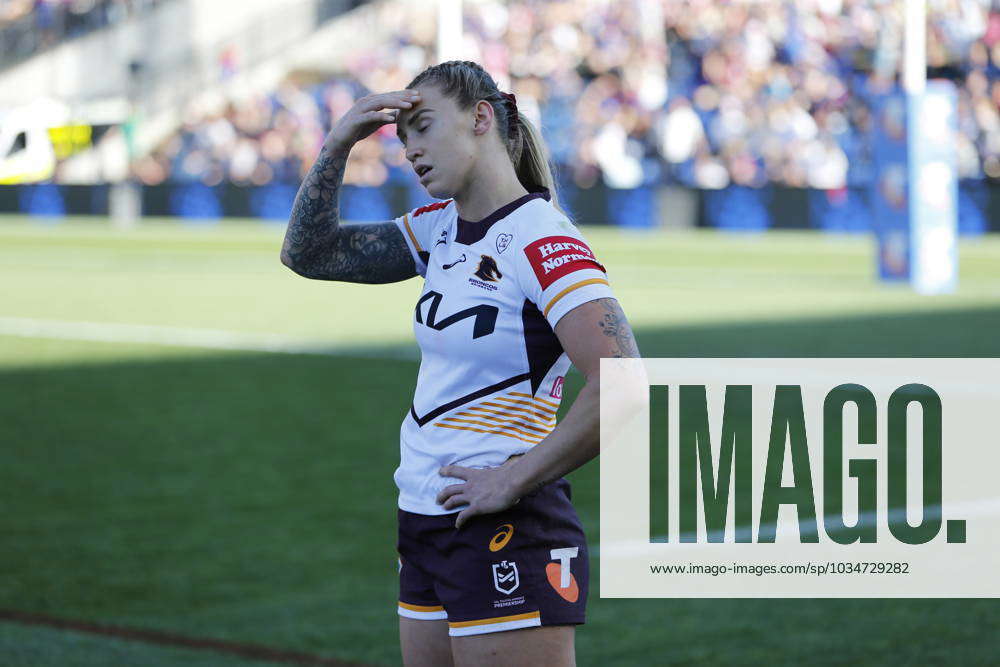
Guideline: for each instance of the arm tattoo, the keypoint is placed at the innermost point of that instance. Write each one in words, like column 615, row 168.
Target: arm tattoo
column 614, row 325
column 317, row 246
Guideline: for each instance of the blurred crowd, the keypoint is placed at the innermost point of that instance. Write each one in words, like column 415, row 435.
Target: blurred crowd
column 28, row 26
column 697, row 92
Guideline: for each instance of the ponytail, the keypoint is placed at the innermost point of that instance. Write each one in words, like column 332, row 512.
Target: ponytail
column 532, row 159
column 467, row 82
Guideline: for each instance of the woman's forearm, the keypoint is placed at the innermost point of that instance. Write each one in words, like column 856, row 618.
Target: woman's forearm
column 315, row 218
column 572, row 443
column 315, row 244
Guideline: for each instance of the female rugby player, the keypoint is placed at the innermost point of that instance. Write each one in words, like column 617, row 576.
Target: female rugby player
column 492, row 559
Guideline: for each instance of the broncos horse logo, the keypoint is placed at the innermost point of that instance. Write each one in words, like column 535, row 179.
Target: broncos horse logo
column 487, row 269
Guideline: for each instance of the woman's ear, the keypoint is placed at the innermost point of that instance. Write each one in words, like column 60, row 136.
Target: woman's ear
column 483, row 118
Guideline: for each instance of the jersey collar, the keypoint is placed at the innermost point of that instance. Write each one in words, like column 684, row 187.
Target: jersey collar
column 471, row 232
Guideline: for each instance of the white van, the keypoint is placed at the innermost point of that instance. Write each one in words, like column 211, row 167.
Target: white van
column 27, row 153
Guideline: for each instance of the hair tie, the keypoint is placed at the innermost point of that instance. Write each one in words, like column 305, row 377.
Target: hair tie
column 511, row 102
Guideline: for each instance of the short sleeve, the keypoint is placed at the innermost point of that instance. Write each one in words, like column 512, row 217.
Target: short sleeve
column 558, row 271
column 415, row 241
column 418, row 228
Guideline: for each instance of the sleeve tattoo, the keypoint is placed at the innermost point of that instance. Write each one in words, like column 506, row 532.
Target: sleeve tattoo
column 614, row 325
column 317, row 246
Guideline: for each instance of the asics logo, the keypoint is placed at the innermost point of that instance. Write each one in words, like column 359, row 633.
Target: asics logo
column 501, row 539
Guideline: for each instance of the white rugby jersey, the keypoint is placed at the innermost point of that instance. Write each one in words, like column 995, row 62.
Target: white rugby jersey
column 491, row 370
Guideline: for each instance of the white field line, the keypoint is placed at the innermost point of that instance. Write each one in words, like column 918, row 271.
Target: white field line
column 242, row 341
column 984, row 507
column 106, row 332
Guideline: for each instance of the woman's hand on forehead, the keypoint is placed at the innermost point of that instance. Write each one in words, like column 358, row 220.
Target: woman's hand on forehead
column 413, row 98
column 395, row 102
column 369, row 114
column 397, row 99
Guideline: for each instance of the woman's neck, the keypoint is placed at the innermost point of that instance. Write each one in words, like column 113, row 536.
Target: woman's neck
column 491, row 185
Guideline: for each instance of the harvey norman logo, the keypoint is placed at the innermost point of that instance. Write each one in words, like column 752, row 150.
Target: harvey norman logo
column 553, row 257
column 799, row 477
column 577, row 252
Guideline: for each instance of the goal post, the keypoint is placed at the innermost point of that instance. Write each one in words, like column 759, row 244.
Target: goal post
column 931, row 170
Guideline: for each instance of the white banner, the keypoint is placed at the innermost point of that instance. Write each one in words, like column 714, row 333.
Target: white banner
column 800, row 478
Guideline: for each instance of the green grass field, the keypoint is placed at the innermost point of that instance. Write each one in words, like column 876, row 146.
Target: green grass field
column 215, row 489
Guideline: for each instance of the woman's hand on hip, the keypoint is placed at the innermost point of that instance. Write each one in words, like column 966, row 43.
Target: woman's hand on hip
column 485, row 491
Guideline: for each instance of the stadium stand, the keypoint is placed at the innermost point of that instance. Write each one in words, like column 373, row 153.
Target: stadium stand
column 754, row 95
column 30, row 26
column 744, row 104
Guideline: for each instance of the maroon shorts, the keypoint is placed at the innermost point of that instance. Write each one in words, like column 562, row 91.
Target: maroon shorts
column 523, row 567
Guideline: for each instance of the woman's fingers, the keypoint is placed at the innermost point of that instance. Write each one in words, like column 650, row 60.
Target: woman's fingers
column 455, row 501
column 464, row 516
column 380, row 116
column 456, row 471
column 369, row 114
column 449, row 491
column 399, row 99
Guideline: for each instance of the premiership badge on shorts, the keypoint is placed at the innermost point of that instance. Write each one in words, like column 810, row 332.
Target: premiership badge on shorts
column 505, row 577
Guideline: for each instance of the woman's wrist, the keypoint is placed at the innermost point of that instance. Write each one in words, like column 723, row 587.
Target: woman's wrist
column 522, row 478
column 335, row 145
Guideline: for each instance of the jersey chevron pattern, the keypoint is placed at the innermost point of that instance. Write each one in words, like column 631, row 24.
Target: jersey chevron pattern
column 492, row 369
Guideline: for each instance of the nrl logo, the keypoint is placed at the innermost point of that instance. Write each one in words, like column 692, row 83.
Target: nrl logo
column 488, row 270
column 443, row 238
column 505, row 577
column 503, row 240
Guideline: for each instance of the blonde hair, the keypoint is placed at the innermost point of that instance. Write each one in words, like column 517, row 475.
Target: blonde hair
column 467, row 83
